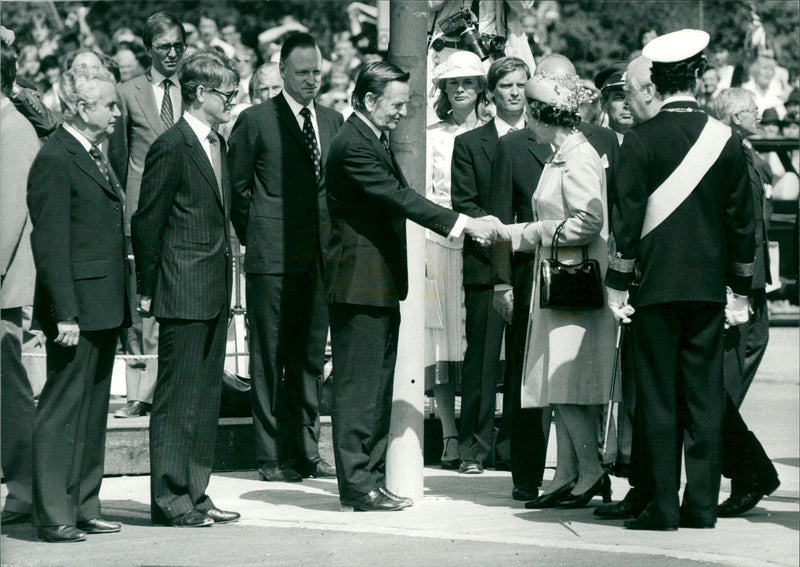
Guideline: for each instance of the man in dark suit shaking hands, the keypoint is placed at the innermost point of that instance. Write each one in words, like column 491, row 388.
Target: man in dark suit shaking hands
column 182, row 245
column 277, row 155
column 81, row 300
column 366, row 276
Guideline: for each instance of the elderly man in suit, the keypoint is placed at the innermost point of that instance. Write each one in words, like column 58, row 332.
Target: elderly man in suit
column 366, row 277
column 681, row 173
column 150, row 103
column 181, row 241
column 277, row 155
column 81, row 300
column 472, row 192
column 18, row 148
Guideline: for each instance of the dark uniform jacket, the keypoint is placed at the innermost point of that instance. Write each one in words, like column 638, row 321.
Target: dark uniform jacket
column 278, row 209
column 703, row 245
column 369, row 202
column 77, row 240
column 180, row 232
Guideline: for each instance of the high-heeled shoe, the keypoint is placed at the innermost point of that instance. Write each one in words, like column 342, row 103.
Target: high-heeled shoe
column 450, row 464
column 550, row 499
column 602, row 486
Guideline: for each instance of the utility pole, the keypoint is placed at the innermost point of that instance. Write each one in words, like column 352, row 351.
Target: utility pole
column 404, row 460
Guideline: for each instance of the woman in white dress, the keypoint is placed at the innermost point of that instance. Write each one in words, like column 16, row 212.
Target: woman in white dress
column 569, row 355
column 460, row 107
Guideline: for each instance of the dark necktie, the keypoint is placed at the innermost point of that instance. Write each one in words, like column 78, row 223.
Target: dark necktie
column 311, row 139
column 385, row 142
column 166, row 106
column 216, row 160
column 512, row 129
column 100, row 160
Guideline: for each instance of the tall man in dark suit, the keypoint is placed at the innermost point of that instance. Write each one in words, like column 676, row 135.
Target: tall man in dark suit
column 150, row 104
column 18, row 148
column 81, row 300
column 518, row 163
column 681, row 173
column 472, row 192
column 182, row 245
column 366, row 277
column 277, row 155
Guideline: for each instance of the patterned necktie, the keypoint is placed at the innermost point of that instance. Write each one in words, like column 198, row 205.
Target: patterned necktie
column 311, row 139
column 385, row 142
column 166, row 106
column 100, row 160
column 512, row 129
column 216, row 160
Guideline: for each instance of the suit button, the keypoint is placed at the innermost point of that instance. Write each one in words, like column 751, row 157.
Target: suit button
column 116, row 207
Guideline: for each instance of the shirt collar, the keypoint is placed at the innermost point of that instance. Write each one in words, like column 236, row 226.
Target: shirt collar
column 679, row 98
column 201, row 129
column 84, row 141
column 503, row 127
column 157, row 78
column 369, row 123
column 297, row 107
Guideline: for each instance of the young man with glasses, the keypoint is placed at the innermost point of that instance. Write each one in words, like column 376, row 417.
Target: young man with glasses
column 181, row 240
column 151, row 104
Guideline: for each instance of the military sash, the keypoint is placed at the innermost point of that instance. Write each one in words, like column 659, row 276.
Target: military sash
column 681, row 182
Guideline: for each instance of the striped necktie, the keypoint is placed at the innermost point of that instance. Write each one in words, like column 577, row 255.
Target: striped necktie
column 216, row 160
column 167, row 117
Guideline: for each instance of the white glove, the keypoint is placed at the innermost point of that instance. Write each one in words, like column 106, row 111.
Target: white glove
column 737, row 309
column 618, row 303
column 532, row 234
column 503, row 302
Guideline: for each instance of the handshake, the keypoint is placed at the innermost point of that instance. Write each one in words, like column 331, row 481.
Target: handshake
column 487, row 230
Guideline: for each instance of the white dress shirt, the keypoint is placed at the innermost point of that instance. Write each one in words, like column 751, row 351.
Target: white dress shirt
column 296, row 107
column 157, row 82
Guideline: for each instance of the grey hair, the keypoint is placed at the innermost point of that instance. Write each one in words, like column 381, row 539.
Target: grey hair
column 638, row 73
column 730, row 101
column 78, row 85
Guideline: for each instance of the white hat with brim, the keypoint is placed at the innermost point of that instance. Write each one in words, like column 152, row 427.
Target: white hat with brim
column 676, row 46
column 460, row 64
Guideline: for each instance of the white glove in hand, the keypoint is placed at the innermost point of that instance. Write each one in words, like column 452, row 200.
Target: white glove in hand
column 504, row 303
column 618, row 303
column 737, row 309
column 532, row 233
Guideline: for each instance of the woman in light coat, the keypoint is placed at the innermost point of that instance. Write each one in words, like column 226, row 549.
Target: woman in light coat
column 569, row 355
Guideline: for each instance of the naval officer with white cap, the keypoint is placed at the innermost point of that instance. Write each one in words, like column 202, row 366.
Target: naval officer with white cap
column 684, row 216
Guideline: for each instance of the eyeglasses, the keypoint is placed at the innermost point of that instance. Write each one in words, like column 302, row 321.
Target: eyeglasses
column 165, row 48
column 753, row 111
column 227, row 97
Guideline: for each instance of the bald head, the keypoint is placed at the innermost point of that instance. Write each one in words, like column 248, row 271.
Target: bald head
column 555, row 64
column 86, row 59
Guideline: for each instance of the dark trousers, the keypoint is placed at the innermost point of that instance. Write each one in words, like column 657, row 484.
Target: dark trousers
column 16, row 414
column 484, row 330
column 745, row 346
column 744, row 460
column 530, row 427
column 679, row 348
column 183, row 421
column 364, row 344
column 288, row 330
column 69, row 433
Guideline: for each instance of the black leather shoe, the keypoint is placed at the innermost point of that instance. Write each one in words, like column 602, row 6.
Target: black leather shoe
column 133, row 409
column 317, row 468
column 644, row 522
column 450, row 448
column 374, row 501
column 632, row 505
column 392, row 496
column 280, row 472
column 470, row 467
column 739, row 503
column 191, row 519
column 686, row 522
column 99, row 526
column 8, row 517
column 602, row 487
column 60, row 534
column 221, row 516
column 549, row 499
column 525, row 493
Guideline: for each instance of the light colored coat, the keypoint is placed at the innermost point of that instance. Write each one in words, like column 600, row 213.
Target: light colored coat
column 18, row 147
column 569, row 355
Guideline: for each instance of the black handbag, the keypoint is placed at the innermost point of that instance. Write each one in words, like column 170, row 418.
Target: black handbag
column 569, row 286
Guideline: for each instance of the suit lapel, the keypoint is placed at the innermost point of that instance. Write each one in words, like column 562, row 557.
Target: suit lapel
column 327, row 131
column 288, row 119
column 369, row 135
column 198, row 155
column 489, row 140
column 147, row 103
column 86, row 163
column 541, row 152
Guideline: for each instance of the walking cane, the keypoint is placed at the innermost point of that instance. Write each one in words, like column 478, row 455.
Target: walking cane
column 620, row 335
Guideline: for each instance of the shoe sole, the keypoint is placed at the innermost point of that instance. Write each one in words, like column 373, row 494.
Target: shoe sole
column 55, row 540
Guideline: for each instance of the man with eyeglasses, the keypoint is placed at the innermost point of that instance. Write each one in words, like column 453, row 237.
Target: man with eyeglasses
column 151, row 104
column 181, row 239
column 277, row 159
